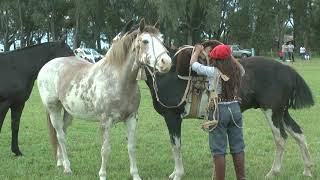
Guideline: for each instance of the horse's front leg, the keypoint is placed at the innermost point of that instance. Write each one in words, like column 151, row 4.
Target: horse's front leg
column 105, row 149
column 174, row 121
column 296, row 132
column 131, row 123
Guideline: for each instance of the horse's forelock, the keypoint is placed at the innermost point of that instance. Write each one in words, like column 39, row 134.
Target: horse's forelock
column 120, row 48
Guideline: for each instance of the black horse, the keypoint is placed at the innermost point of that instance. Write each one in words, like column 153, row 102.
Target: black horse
column 269, row 85
column 18, row 71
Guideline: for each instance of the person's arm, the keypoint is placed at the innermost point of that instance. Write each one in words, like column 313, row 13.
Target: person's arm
column 197, row 67
column 203, row 70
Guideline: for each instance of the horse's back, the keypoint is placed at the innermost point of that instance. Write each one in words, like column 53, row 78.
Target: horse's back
column 267, row 83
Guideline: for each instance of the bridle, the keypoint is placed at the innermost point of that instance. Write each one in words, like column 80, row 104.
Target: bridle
column 155, row 86
column 145, row 65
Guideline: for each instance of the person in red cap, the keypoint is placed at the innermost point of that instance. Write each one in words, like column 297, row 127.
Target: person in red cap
column 224, row 74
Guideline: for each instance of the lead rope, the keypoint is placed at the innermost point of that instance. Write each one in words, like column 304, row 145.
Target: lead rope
column 210, row 125
column 155, row 86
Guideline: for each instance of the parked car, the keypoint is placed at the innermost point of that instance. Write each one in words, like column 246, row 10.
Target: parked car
column 88, row 54
column 240, row 53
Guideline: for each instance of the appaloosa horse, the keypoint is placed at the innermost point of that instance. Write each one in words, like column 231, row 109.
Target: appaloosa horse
column 269, row 85
column 18, row 71
column 107, row 91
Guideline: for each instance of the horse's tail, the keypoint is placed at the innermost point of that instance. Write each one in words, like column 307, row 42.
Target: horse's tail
column 52, row 135
column 301, row 95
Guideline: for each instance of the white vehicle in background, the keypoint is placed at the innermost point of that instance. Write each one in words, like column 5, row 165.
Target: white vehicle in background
column 88, row 54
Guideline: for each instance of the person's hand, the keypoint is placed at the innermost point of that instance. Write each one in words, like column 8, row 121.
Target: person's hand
column 198, row 48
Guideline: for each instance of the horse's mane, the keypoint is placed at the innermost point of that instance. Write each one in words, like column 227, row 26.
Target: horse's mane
column 120, row 49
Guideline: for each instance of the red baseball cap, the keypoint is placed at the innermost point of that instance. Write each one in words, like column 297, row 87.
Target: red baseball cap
column 220, row 52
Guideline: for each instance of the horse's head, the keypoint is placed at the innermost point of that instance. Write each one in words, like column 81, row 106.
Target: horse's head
column 149, row 45
column 61, row 49
column 151, row 49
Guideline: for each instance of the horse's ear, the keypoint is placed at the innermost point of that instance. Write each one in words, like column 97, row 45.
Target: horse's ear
column 141, row 25
column 63, row 38
column 157, row 25
column 127, row 27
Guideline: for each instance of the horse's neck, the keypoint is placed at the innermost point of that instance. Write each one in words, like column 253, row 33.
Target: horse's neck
column 127, row 71
column 29, row 62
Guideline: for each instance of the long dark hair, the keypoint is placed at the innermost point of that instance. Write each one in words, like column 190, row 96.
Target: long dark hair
column 229, row 67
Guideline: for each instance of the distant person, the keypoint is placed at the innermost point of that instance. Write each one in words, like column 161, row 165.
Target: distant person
column 302, row 52
column 280, row 55
column 290, row 51
column 284, row 49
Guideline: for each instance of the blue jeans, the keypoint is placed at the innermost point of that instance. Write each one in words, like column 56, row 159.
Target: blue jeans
column 229, row 129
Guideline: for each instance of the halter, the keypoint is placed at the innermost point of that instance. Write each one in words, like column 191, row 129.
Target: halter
column 155, row 86
column 141, row 74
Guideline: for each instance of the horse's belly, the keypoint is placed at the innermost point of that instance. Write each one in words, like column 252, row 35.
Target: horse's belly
column 80, row 109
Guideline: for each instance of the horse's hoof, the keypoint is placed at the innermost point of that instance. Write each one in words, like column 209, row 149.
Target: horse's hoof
column 307, row 173
column 67, row 172
column 271, row 174
column 136, row 176
column 17, row 153
column 172, row 175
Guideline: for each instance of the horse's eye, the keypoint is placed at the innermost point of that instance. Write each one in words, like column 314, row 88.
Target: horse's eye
column 145, row 41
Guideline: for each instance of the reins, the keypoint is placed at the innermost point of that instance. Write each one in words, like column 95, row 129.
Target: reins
column 155, row 86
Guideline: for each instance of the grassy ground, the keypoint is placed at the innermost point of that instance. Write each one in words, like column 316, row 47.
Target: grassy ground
column 153, row 148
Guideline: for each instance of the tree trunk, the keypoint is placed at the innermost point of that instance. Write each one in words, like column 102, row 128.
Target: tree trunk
column 76, row 29
column 22, row 37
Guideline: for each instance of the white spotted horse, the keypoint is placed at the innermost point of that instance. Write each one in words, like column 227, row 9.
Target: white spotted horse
column 18, row 71
column 106, row 91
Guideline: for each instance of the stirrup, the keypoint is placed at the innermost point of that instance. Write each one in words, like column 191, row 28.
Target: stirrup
column 209, row 126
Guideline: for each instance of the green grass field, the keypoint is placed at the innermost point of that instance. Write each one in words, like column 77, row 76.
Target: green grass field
column 153, row 147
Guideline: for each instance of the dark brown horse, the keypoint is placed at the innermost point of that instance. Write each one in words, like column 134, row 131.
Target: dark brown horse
column 269, row 85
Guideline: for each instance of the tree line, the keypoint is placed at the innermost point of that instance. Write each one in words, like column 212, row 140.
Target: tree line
column 251, row 23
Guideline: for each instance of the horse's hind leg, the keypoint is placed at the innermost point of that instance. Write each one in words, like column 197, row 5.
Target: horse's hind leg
column 67, row 119
column 295, row 131
column 275, row 122
column 16, row 111
column 58, row 124
column 131, row 123
column 105, row 149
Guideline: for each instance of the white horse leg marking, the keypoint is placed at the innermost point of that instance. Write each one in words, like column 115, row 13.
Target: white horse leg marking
column 131, row 130
column 59, row 156
column 106, row 148
column 178, row 169
column 280, row 145
column 57, row 123
column 302, row 142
